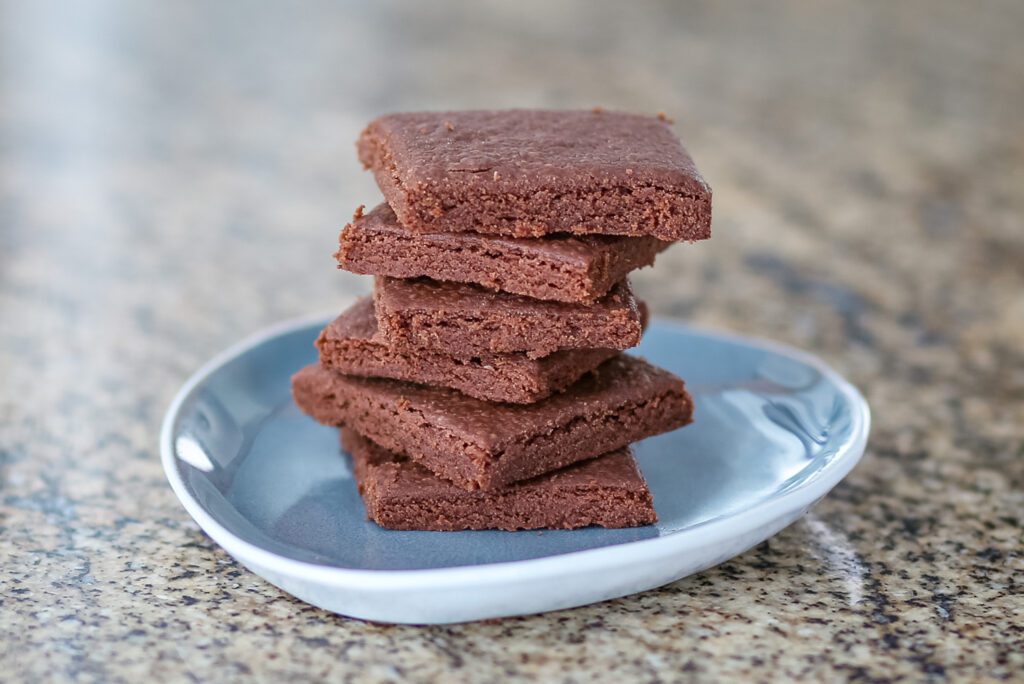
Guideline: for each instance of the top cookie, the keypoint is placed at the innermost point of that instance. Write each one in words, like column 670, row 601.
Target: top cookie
column 533, row 172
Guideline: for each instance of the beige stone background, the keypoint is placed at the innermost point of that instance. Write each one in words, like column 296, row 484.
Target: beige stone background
column 173, row 176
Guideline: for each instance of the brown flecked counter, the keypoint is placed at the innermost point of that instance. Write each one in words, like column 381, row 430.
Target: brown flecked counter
column 173, row 176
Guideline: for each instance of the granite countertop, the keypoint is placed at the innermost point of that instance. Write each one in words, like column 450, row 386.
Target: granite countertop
column 173, row 176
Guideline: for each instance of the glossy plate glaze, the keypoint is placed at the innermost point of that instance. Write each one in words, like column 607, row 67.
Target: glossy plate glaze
column 774, row 431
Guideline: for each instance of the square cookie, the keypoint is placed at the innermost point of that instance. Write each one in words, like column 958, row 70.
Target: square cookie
column 608, row 491
column 564, row 268
column 483, row 445
column 466, row 321
column 527, row 172
column 350, row 344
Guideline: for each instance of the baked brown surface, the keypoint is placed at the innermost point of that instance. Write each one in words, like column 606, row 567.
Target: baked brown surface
column 535, row 172
column 350, row 344
column 465, row 321
column 482, row 445
column 399, row 494
column 576, row 269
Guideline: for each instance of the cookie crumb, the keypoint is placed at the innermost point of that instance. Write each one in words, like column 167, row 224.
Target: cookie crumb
column 598, row 110
column 497, row 176
column 449, row 125
column 359, row 212
column 662, row 116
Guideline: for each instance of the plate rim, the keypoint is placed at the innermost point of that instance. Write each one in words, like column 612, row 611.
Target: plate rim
column 606, row 557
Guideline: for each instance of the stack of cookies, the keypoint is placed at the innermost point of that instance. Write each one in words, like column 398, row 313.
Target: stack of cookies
column 483, row 386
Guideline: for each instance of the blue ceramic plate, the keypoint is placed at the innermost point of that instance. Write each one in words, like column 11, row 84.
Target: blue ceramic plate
column 774, row 431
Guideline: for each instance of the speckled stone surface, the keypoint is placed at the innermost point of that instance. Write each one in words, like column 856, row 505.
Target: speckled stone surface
column 172, row 177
